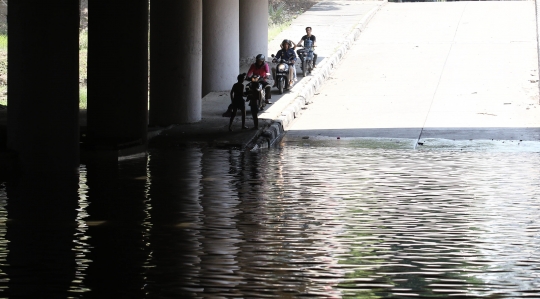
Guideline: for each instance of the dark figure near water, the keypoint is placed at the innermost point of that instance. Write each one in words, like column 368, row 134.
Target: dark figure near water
column 253, row 99
column 237, row 99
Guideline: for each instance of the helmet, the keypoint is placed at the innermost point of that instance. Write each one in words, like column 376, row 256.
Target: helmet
column 286, row 41
column 260, row 57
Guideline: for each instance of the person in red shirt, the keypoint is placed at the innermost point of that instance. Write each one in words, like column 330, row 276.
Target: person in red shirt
column 261, row 68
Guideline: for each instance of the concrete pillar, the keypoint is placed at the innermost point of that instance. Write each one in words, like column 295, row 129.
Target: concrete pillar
column 221, row 53
column 176, row 59
column 220, row 215
column 43, row 67
column 118, row 73
column 253, row 29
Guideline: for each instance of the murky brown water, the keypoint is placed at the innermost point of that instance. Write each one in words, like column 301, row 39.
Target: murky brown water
column 285, row 223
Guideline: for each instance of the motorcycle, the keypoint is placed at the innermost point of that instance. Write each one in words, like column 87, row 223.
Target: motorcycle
column 306, row 56
column 255, row 92
column 283, row 69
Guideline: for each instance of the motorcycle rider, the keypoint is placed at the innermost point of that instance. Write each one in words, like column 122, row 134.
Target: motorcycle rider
column 261, row 68
column 286, row 53
column 313, row 39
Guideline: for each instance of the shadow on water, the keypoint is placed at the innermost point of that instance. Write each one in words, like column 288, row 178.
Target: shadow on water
column 37, row 240
column 200, row 219
column 117, row 233
column 284, row 223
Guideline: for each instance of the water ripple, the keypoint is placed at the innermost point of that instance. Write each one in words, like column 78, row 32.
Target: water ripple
column 307, row 222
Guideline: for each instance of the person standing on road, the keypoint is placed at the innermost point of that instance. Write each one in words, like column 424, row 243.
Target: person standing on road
column 237, row 99
column 313, row 39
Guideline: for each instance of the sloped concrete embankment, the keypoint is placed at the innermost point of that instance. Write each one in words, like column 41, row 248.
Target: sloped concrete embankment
column 537, row 11
column 306, row 92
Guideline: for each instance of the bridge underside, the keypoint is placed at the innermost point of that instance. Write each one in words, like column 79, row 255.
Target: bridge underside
column 188, row 41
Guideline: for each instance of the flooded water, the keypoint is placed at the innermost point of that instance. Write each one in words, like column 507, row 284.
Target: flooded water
column 328, row 222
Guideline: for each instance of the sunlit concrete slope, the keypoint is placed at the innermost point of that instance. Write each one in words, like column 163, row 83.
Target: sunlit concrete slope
column 435, row 69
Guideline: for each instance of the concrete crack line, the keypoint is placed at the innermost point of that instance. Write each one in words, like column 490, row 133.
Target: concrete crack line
column 537, row 37
column 440, row 77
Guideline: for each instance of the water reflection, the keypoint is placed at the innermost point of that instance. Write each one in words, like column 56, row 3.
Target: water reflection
column 40, row 234
column 118, row 236
column 176, row 217
column 288, row 223
column 3, row 241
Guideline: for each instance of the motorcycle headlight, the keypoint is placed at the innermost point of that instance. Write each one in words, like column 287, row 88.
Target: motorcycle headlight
column 281, row 67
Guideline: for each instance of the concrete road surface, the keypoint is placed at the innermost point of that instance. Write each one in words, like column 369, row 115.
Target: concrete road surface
column 434, row 70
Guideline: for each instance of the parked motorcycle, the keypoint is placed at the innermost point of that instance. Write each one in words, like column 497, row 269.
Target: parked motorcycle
column 306, row 56
column 255, row 92
column 283, row 69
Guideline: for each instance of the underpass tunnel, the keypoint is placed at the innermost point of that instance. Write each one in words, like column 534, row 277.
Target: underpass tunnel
column 195, row 47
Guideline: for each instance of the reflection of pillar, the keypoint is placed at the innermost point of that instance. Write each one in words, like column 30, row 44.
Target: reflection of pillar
column 176, row 222
column 220, row 45
column 253, row 28
column 118, row 73
column 117, row 212
column 43, row 67
column 176, row 72
column 40, row 235
column 220, row 235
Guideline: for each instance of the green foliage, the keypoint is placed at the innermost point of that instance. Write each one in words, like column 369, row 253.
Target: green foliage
column 3, row 42
column 3, row 69
column 83, row 40
column 276, row 14
column 83, row 54
column 274, row 30
column 83, row 62
column 3, row 100
column 277, row 19
column 281, row 13
column 82, row 97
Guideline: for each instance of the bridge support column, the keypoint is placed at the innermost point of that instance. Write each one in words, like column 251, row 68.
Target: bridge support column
column 118, row 72
column 220, row 45
column 253, row 29
column 176, row 57
column 43, row 67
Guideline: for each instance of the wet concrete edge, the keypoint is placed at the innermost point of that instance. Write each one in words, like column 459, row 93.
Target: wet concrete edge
column 278, row 126
column 537, row 8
